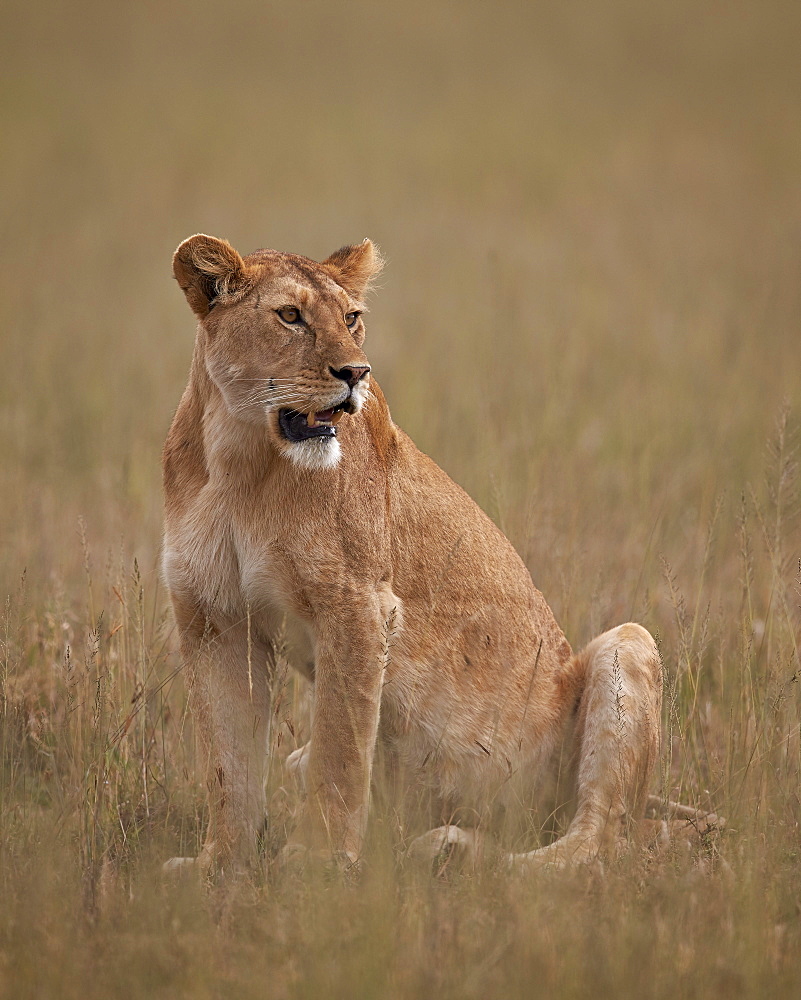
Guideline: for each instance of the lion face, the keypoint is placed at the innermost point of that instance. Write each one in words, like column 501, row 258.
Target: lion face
column 283, row 338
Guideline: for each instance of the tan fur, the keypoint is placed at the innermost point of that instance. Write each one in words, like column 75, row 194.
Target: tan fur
column 342, row 540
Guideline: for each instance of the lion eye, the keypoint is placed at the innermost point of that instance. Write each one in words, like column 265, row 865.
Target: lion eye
column 289, row 314
column 352, row 318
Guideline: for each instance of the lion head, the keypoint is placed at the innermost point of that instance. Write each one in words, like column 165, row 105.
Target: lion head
column 282, row 337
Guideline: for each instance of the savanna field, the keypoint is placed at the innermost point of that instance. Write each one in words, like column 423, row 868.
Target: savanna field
column 590, row 317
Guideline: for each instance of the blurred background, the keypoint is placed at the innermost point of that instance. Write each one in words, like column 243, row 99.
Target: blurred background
column 592, row 219
column 590, row 317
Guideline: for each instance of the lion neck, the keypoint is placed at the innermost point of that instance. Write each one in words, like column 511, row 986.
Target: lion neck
column 230, row 446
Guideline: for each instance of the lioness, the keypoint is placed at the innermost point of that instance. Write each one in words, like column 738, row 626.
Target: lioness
column 292, row 501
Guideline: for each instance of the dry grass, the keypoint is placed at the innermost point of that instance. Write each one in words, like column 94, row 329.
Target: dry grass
column 590, row 319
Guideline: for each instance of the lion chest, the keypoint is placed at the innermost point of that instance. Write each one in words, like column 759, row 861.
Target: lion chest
column 218, row 557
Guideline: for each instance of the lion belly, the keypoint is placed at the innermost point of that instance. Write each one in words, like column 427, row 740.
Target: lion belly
column 470, row 708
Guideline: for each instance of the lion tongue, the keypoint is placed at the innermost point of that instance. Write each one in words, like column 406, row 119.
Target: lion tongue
column 324, row 416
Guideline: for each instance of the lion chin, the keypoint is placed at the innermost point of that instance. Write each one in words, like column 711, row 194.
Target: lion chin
column 316, row 454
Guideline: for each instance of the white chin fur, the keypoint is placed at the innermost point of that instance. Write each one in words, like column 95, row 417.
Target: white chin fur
column 316, row 453
column 359, row 397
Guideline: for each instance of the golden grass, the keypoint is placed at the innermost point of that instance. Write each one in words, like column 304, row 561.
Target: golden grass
column 590, row 318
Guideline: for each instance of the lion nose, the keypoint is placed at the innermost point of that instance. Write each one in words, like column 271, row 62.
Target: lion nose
column 350, row 373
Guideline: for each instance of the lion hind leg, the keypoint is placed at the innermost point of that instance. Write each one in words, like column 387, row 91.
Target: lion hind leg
column 617, row 742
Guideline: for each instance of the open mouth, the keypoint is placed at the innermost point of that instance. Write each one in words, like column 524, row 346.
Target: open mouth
column 317, row 424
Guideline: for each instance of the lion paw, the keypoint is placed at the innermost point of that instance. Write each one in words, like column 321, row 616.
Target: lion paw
column 200, row 866
column 446, row 847
column 297, row 763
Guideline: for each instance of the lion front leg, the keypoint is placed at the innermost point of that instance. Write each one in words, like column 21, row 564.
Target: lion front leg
column 230, row 678
column 347, row 694
column 617, row 743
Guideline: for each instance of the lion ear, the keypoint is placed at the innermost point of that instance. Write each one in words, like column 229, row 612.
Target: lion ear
column 355, row 267
column 206, row 269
